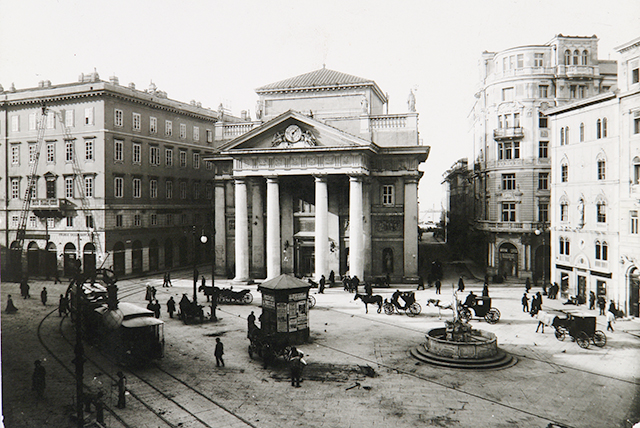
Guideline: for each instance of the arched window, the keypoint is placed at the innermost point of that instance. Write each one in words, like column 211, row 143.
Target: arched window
column 598, row 128
column 562, row 136
column 602, row 251
column 566, row 135
column 576, row 56
column 636, row 170
column 564, row 211
column 602, row 166
column 567, row 57
column 564, row 174
column 581, row 132
column 564, row 246
column 585, row 57
column 601, row 212
column 604, row 128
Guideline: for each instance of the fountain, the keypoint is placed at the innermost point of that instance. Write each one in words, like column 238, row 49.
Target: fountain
column 458, row 345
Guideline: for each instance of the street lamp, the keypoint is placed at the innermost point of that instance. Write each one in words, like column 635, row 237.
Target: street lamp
column 541, row 230
column 203, row 239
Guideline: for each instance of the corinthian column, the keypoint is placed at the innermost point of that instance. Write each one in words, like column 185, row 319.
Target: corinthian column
column 242, row 231
column 273, row 228
column 356, row 228
column 322, row 227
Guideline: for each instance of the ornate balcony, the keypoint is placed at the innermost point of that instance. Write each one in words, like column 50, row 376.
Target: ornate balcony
column 50, row 207
column 513, row 133
column 505, row 226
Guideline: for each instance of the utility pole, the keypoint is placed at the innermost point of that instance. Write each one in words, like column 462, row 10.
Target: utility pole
column 79, row 349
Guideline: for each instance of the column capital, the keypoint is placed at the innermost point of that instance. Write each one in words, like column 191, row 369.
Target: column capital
column 320, row 177
column 356, row 177
column 411, row 179
column 271, row 178
column 240, row 180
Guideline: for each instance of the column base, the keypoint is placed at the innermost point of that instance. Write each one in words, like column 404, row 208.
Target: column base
column 247, row 281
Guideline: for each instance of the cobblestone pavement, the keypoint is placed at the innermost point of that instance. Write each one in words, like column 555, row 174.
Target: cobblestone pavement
column 553, row 382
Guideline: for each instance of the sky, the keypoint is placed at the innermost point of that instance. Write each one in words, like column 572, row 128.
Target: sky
column 219, row 52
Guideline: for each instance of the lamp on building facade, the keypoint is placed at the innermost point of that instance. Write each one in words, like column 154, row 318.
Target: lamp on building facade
column 541, row 230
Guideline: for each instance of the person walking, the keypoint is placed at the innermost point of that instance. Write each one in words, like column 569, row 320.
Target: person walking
column 167, row 279
column 611, row 318
column 203, row 281
column 43, row 296
column 11, row 309
column 460, row 284
column 592, row 300
column 527, row 285
column 219, row 352
column 121, row 383
column 602, row 304
column 155, row 307
column 355, row 282
column 63, row 305
column 332, row 279
column 171, row 306
column 485, row 290
column 24, row 288
column 251, row 324
column 525, row 303
column 438, row 286
column 38, row 379
column 296, row 364
column 323, row 282
column 148, row 296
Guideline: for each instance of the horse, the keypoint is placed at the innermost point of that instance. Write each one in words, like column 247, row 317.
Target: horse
column 436, row 303
column 545, row 318
column 210, row 292
column 377, row 299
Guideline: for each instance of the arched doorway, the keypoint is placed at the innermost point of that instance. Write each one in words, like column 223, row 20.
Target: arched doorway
column 136, row 257
column 51, row 264
column 153, row 255
column 69, row 264
column 15, row 258
column 542, row 268
column 89, row 258
column 33, row 257
column 168, row 254
column 118, row 258
column 183, row 248
column 508, row 260
column 634, row 291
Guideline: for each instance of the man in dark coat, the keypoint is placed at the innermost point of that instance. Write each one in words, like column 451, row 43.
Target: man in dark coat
column 219, row 352
column 43, row 296
column 355, row 282
column 322, row 285
column 438, row 286
column 460, row 284
column 251, row 323
column 296, row 364
column 63, row 306
column 24, row 288
column 11, row 309
column 171, row 306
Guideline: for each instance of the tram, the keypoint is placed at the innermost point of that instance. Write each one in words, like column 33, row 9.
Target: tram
column 127, row 332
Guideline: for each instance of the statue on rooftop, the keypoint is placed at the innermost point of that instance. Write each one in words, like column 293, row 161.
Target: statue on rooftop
column 411, row 101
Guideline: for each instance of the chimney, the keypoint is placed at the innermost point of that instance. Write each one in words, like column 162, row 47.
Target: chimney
column 132, row 85
column 114, row 80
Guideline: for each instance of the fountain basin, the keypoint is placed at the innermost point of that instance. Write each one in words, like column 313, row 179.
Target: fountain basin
column 481, row 344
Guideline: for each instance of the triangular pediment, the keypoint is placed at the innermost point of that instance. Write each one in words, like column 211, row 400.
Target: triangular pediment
column 293, row 131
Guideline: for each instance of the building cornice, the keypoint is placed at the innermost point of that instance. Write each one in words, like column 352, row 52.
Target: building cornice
column 581, row 104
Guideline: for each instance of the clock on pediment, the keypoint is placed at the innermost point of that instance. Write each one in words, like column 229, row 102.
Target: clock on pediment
column 293, row 137
column 293, row 133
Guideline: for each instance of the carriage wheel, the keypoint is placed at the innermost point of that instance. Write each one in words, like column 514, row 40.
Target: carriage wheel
column 493, row 316
column 388, row 308
column 583, row 340
column 465, row 314
column 312, row 301
column 560, row 334
column 599, row 339
column 247, row 298
column 414, row 309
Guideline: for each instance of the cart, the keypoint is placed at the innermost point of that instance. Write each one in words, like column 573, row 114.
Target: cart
column 410, row 308
column 268, row 346
column 482, row 309
column 581, row 327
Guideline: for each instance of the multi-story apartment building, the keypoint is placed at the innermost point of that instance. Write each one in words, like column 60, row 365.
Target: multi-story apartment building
column 595, row 196
column 459, row 209
column 120, row 180
column 511, row 131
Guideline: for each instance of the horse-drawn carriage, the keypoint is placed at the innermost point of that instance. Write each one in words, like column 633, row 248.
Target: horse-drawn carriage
column 582, row 328
column 410, row 307
column 190, row 310
column 482, row 308
column 268, row 346
column 228, row 295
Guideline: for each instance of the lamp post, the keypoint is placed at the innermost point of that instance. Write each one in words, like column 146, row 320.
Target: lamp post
column 541, row 231
column 203, row 239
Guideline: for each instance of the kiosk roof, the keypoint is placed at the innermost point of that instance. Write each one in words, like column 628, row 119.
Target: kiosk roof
column 284, row 282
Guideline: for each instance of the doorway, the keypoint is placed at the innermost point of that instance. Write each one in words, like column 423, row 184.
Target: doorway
column 305, row 259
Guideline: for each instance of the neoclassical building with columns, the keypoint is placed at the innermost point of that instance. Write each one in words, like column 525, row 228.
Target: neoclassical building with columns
column 324, row 180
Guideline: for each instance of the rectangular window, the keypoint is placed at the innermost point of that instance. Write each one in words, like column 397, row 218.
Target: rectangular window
column 516, row 120
column 634, row 222
column 153, row 125
column 507, row 94
column 196, row 190
column 209, row 165
column 119, row 220
column 636, row 122
column 500, row 151
column 88, row 116
column 88, row 221
column 15, row 188
column 601, row 169
column 543, row 212
column 33, row 150
column 564, row 177
column 561, row 245
column 564, row 212
column 137, row 220
column 635, row 76
column 69, row 118
column 15, row 123
column 388, row 194
column 196, row 160
column 137, row 121
column 137, row 188
column 51, row 222
column 88, row 150
column 168, row 157
column 209, row 136
column 51, row 152
column 169, row 219
column 508, row 211
column 183, row 190
column 117, row 118
column 69, row 221
column 183, row 131
column 511, row 62
column 209, row 191
column 88, row 187
column 543, row 121
column 14, row 221
column 601, row 211
column 69, row 151
column 169, row 189
column 543, row 149
column 543, row 181
column 154, row 155
column 538, row 59
column 511, row 150
column 508, row 181
column 33, row 221
column 68, row 187
column 168, row 128
column 118, row 187
column 520, row 60
column 118, row 150
column 543, row 91
column 183, row 159
column 154, row 219
column 136, row 153
column 15, row 154
column 153, row 189
column 33, row 121
column 51, row 120
column 196, row 133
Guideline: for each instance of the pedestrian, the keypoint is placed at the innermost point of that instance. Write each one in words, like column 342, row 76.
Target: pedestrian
column 438, row 286
column 153, row 293
column 368, row 289
column 196, row 275
column 156, row 308
column 251, row 324
column 332, row 279
column 171, row 306
column 38, row 379
column 346, row 283
column 11, row 309
column 527, row 285
column 121, row 383
column 24, row 288
column 167, row 279
column 420, row 283
column 63, row 305
column 296, row 364
column 485, row 290
column 219, row 352
column 355, row 282
column 611, row 318
column 322, row 284
column 148, row 296
column 602, row 304
column 203, row 282
column 536, row 304
column 460, row 284
column 592, row 300
column 43, row 296
column 525, row 303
